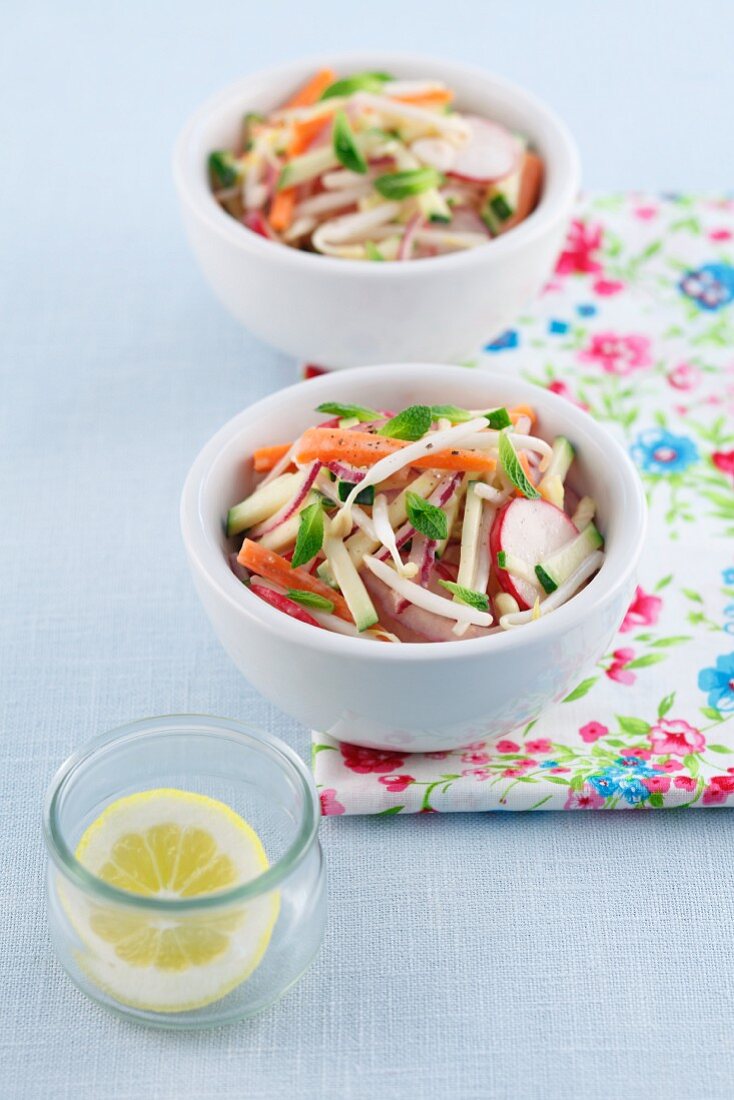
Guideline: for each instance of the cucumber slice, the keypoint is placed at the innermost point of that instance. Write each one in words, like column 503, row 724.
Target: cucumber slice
column 351, row 584
column 261, row 505
column 434, row 207
column 551, row 483
column 556, row 569
column 224, row 169
column 451, row 511
column 286, row 533
column 500, row 203
column 307, row 167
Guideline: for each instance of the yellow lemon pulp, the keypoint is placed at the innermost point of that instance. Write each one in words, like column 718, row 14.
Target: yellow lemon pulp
column 169, row 843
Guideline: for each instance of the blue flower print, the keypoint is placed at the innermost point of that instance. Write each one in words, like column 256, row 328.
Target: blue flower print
column 727, row 575
column 549, row 764
column 604, row 784
column 711, row 287
column 660, row 452
column 719, row 683
column 509, row 339
column 558, row 328
column 632, row 789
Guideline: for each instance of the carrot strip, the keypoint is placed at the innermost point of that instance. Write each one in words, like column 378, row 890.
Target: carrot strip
column 281, row 211
column 364, row 449
column 312, row 90
column 271, row 566
column 522, row 410
column 305, row 132
column 531, row 183
column 436, row 98
column 266, row 457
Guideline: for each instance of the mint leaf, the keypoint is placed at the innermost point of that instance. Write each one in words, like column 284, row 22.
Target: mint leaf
column 451, row 412
column 427, row 518
column 310, row 599
column 360, row 82
column 224, row 168
column 348, row 412
column 401, row 185
column 364, row 496
column 345, row 147
column 498, row 419
column 513, row 468
column 477, row 600
column 310, row 535
column 412, row 423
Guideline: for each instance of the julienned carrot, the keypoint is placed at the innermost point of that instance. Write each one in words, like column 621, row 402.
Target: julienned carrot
column 522, row 410
column 364, row 449
column 437, row 98
column 281, row 212
column 531, row 182
column 312, row 90
column 264, row 458
column 271, row 566
column 305, row 132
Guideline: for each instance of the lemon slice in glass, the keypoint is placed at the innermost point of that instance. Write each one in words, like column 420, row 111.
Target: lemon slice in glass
column 171, row 844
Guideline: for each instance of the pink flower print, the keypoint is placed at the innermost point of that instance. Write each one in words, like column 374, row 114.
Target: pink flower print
column 541, row 744
column 585, row 799
column 670, row 766
column 618, row 669
column 684, row 377
column 511, row 773
column 593, row 731
column 396, row 782
column 684, row 783
column 527, row 762
column 559, row 771
column 330, row 807
column 720, row 235
column 563, row 390
column 724, row 461
column 475, row 757
column 605, row 288
column 478, row 773
column 643, row 611
column 617, row 354
column 476, row 745
column 646, row 213
column 436, row 755
column 365, row 761
column 507, row 746
column 657, row 784
column 724, row 783
column 676, row 737
column 579, row 252
column 714, row 796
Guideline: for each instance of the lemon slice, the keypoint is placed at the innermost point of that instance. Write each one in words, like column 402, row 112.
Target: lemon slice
column 171, row 844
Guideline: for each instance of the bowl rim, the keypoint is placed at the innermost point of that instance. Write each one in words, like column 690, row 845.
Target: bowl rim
column 197, row 194
column 207, row 557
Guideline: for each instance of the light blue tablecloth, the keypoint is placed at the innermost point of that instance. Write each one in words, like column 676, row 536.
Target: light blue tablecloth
column 499, row 956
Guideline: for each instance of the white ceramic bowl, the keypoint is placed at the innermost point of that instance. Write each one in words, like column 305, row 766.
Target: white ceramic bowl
column 345, row 313
column 411, row 696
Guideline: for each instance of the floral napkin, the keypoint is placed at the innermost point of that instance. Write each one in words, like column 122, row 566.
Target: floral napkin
column 637, row 327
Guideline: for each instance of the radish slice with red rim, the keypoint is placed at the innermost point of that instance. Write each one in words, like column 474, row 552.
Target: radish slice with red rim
column 531, row 530
column 435, row 152
column 490, row 154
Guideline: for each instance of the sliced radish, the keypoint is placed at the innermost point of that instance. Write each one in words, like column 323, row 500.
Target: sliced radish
column 490, row 154
column 255, row 221
column 531, row 530
column 435, row 152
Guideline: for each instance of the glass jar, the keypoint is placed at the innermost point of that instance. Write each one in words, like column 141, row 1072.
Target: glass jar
column 252, row 941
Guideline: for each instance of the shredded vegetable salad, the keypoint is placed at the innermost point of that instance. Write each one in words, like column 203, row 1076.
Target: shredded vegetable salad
column 372, row 168
column 435, row 523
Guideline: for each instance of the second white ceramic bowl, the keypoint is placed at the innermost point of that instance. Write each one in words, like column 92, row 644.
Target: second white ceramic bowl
column 343, row 313
column 415, row 697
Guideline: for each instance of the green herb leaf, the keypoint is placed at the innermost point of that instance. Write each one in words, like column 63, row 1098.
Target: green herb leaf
column 427, row 518
column 345, row 146
column 450, row 412
column 412, row 423
column 310, row 536
column 310, row 599
column 224, row 168
column 498, row 419
column 364, row 496
column 513, row 468
column 372, row 252
column 347, row 412
column 360, row 82
column 477, row 600
column 401, row 185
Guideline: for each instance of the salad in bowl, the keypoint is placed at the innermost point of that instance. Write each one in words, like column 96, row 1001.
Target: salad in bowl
column 434, row 523
column 370, row 167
